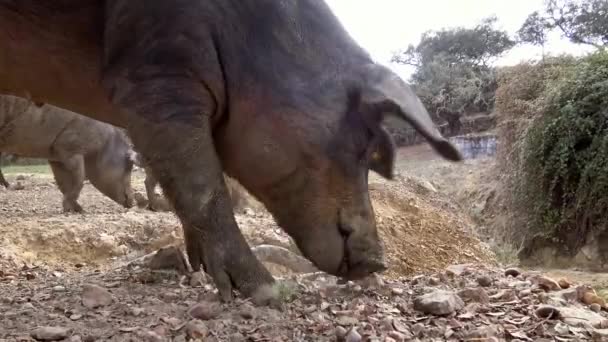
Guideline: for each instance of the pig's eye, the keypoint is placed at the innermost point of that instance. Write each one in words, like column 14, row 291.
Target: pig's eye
column 381, row 154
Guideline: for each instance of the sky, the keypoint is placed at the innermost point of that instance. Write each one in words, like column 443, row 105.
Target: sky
column 385, row 26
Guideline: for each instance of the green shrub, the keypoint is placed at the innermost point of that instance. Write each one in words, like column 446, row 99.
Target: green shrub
column 563, row 183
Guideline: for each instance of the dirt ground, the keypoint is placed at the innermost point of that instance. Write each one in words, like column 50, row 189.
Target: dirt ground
column 48, row 261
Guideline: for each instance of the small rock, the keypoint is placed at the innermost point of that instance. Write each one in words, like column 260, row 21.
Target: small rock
column 58, row 288
column 595, row 307
column 172, row 321
column 75, row 317
column 484, row 281
column 590, row 298
column 347, row 320
column 397, row 291
column 136, row 311
column 352, row 336
column 196, row 329
column 482, row 333
column 340, row 332
column 399, row 336
column 524, row 293
column 168, row 258
column 94, row 296
column 151, row 336
column 568, row 295
column 546, row 283
column 438, row 302
column 180, row 338
column 434, row 281
column 28, row 306
column 75, row 338
column 417, row 329
column 48, row 333
column 478, row 295
column 564, row 283
column 247, row 312
column 548, row 311
column 205, row 310
column 582, row 317
column 513, row 272
column 458, row 270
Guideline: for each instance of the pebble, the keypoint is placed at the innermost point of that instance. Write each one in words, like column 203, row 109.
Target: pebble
column 205, row 310
column 564, row 283
column 546, row 311
column 438, row 302
column 484, row 281
column 347, row 320
column 477, row 294
column 595, row 307
column 546, row 283
column 352, row 336
column 48, row 333
column 75, row 317
column 434, row 281
column 94, row 296
column 513, row 272
column 340, row 332
column 58, row 288
column 196, row 329
column 399, row 337
column 458, row 270
column 136, row 311
column 247, row 312
column 397, row 291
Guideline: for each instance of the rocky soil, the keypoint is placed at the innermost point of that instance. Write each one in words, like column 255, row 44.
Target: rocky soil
column 97, row 277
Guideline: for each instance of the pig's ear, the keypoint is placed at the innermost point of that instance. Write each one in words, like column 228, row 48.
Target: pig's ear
column 384, row 93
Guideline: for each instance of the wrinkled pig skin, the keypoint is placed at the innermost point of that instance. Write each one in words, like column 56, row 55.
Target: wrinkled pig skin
column 276, row 94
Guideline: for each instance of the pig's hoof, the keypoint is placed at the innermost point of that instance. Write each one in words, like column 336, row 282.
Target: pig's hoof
column 72, row 208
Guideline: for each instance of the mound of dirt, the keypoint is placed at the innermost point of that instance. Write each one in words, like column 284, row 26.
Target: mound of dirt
column 423, row 231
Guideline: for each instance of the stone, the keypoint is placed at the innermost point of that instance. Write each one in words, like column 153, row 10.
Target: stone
column 347, row 320
column 205, row 310
column 168, row 258
column 546, row 283
column 482, row 333
column 548, row 311
column 94, row 296
column 564, row 283
column 58, row 288
column 484, row 281
column 582, row 317
column 438, row 302
column 352, row 336
column 458, row 270
column 48, row 333
column 595, row 307
column 340, row 332
column 512, row 272
column 397, row 291
column 478, row 295
column 196, row 329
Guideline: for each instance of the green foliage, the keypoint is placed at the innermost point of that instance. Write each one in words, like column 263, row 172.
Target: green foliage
column 562, row 186
column 471, row 46
column 453, row 76
column 581, row 21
